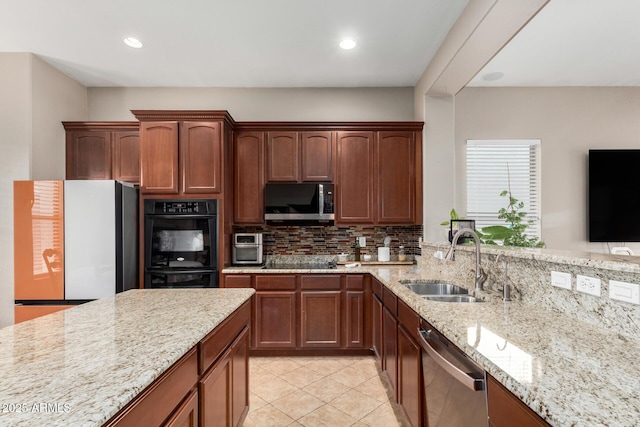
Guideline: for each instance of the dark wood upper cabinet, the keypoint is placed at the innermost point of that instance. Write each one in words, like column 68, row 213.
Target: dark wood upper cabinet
column 318, row 156
column 355, row 178
column 248, row 177
column 183, row 157
column 299, row 156
column 283, row 157
column 159, row 154
column 201, row 157
column 102, row 150
column 396, row 177
column 126, row 156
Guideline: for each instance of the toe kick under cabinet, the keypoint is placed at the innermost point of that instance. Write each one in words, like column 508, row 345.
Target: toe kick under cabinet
column 308, row 313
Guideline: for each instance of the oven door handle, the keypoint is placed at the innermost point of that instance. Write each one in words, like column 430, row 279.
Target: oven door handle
column 180, row 216
column 462, row 377
column 183, row 271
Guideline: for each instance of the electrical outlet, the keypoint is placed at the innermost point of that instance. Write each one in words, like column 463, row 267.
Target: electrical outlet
column 561, row 280
column 363, row 241
column 623, row 291
column 588, row 285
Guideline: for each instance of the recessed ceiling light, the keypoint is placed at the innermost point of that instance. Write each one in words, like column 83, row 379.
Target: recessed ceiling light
column 348, row 44
column 133, row 42
column 493, row 76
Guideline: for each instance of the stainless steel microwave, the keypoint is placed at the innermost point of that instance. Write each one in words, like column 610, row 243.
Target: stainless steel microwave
column 247, row 249
column 299, row 202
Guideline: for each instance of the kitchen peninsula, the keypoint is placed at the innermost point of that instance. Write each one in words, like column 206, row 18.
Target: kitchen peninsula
column 85, row 365
column 569, row 357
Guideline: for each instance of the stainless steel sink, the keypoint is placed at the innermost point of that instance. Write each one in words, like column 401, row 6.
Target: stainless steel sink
column 452, row 298
column 434, row 288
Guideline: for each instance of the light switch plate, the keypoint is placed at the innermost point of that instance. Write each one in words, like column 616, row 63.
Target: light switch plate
column 623, row 291
column 561, row 280
column 588, row 285
column 363, row 241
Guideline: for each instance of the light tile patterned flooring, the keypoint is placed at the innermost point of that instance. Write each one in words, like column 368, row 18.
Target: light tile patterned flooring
column 319, row 391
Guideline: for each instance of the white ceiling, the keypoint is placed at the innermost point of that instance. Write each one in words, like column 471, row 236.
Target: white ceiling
column 573, row 43
column 231, row 43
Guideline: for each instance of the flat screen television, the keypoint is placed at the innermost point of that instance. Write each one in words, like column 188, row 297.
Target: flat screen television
column 614, row 195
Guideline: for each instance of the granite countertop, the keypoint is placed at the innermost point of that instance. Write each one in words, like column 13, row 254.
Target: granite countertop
column 82, row 365
column 569, row 372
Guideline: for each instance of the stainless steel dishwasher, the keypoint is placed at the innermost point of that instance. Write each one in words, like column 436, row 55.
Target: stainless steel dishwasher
column 455, row 386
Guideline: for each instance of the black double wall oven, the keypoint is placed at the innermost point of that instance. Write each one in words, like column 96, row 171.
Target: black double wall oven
column 181, row 239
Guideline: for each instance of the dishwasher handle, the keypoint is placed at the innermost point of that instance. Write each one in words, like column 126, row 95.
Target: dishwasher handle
column 475, row 384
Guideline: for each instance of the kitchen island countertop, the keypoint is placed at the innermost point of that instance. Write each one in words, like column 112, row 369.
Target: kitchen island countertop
column 569, row 372
column 82, row 365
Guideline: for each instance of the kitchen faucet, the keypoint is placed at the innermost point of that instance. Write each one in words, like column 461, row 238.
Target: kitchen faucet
column 480, row 275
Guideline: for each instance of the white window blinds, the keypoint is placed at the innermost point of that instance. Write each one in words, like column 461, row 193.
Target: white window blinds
column 491, row 165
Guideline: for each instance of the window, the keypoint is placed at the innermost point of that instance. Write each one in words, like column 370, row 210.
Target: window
column 491, row 165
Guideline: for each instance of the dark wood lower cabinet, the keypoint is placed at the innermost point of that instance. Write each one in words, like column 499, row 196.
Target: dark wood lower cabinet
column 376, row 327
column 389, row 347
column 240, row 378
column 275, row 319
column 215, row 390
column 410, row 377
column 507, row 410
column 320, row 318
column 187, row 414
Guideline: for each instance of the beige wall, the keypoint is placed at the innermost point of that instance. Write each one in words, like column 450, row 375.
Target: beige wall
column 15, row 135
column 257, row 104
column 35, row 98
column 569, row 121
column 55, row 98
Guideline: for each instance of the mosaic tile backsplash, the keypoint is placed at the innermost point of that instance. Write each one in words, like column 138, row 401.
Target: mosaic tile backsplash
column 332, row 240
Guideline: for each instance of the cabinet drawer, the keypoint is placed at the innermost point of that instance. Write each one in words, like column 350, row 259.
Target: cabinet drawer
column 275, row 282
column 243, row 281
column 408, row 318
column 215, row 343
column 376, row 287
column 320, row 282
column 390, row 301
column 355, row 282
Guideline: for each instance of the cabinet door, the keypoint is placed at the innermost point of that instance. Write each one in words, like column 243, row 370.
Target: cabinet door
column 376, row 327
column 126, row 156
column 240, row 378
column 354, row 315
column 201, row 157
column 355, row 178
column 505, row 409
column 88, row 155
column 396, row 177
column 283, row 157
column 409, row 377
column 248, row 178
column 159, row 154
column 187, row 414
column 275, row 319
column 215, row 394
column 389, row 333
column 317, row 156
column 320, row 319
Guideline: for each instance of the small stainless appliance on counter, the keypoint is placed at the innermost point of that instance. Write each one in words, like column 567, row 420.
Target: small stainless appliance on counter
column 247, row 249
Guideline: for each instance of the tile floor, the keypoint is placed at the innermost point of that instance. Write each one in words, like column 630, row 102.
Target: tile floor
column 319, row 391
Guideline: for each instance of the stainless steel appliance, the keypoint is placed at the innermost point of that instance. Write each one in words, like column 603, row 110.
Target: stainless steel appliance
column 247, row 249
column 455, row 386
column 180, row 243
column 299, row 202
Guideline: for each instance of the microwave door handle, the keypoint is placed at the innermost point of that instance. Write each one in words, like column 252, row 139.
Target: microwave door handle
column 321, row 198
